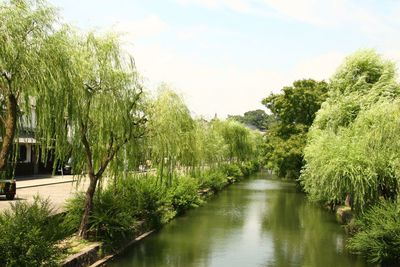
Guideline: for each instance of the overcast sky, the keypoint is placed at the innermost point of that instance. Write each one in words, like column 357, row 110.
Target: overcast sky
column 225, row 56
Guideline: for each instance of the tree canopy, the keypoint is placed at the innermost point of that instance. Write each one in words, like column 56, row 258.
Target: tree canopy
column 26, row 26
column 293, row 112
column 353, row 141
column 257, row 118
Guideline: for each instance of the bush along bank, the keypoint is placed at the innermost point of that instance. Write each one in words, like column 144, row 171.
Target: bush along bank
column 376, row 234
column 30, row 234
column 133, row 205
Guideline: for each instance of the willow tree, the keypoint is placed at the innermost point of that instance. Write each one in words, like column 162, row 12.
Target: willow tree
column 237, row 138
column 171, row 130
column 25, row 28
column 352, row 149
column 97, row 110
column 211, row 146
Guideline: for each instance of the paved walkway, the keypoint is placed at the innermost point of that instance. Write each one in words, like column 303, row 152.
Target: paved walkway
column 33, row 181
column 57, row 188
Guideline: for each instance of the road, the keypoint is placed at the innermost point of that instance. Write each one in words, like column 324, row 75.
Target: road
column 58, row 189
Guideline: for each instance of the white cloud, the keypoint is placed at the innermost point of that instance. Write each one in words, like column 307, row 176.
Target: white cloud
column 240, row 6
column 148, row 27
column 235, row 89
column 343, row 14
column 328, row 13
column 223, row 89
column 321, row 67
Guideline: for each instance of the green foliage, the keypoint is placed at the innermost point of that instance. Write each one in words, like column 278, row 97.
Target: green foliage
column 171, row 133
column 100, row 78
column 177, row 143
column 216, row 180
column 249, row 168
column 183, row 195
column 119, row 208
column 145, row 198
column 109, row 222
column 298, row 103
column 353, row 143
column 294, row 111
column 74, row 208
column 26, row 26
column 232, row 170
column 256, row 118
column 378, row 236
column 28, row 234
column 240, row 142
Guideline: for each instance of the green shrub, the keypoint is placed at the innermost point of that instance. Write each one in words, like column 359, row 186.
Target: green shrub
column 249, row 168
column 215, row 180
column 28, row 234
column 147, row 199
column 110, row 220
column 74, row 208
column 183, row 194
column 378, row 236
column 245, row 170
column 232, row 170
column 120, row 207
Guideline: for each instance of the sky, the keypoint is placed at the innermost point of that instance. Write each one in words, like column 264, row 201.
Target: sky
column 224, row 56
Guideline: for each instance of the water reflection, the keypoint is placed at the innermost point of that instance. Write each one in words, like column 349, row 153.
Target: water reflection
column 259, row 222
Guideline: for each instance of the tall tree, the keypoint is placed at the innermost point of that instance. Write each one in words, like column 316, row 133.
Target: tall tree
column 25, row 28
column 99, row 108
column 352, row 149
column 294, row 111
column 171, row 129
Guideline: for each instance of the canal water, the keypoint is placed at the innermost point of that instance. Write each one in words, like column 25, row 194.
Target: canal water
column 257, row 222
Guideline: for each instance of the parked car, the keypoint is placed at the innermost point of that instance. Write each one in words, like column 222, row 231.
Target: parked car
column 8, row 188
column 65, row 168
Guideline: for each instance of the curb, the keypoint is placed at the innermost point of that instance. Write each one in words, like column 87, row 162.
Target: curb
column 38, row 185
column 83, row 258
column 121, row 250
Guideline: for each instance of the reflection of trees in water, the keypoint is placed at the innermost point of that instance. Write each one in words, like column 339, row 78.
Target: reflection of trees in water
column 190, row 239
column 303, row 234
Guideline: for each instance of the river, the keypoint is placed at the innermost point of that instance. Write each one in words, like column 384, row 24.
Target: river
column 257, row 222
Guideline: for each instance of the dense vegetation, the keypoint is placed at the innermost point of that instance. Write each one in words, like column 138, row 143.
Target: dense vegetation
column 147, row 159
column 352, row 150
column 340, row 138
column 254, row 118
column 352, row 147
column 293, row 112
column 28, row 234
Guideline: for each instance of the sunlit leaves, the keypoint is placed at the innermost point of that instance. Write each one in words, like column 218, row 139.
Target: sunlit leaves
column 353, row 142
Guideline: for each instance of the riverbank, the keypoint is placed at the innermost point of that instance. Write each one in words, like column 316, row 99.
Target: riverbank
column 161, row 206
column 123, row 210
column 260, row 221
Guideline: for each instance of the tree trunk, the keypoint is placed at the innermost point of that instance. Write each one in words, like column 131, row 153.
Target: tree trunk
column 83, row 229
column 10, row 126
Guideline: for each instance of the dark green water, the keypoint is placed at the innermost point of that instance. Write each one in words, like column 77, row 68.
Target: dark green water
column 258, row 222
